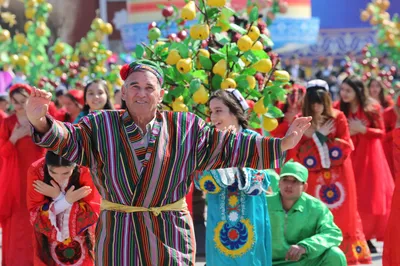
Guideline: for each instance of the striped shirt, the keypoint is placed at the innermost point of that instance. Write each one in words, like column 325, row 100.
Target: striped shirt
column 144, row 142
column 179, row 145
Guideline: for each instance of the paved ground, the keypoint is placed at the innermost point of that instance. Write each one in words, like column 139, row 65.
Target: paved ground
column 377, row 259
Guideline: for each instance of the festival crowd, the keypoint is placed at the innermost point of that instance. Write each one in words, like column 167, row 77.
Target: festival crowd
column 86, row 179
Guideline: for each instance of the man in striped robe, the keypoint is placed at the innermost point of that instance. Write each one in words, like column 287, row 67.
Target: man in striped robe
column 141, row 160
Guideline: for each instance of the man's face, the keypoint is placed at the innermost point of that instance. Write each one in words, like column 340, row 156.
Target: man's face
column 291, row 188
column 141, row 93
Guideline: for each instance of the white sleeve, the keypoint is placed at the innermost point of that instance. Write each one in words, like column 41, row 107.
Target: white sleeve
column 60, row 196
column 61, row 205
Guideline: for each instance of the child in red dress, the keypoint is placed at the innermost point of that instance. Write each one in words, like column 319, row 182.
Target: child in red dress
column 64, row 207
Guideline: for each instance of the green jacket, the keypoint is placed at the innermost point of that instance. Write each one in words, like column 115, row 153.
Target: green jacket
column 309, row 223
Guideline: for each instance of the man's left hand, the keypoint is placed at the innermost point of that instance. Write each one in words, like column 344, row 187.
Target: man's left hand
column 295, row 132
column 295, row 252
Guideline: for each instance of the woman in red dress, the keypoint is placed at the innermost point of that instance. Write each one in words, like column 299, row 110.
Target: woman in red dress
column 17, row 153
column 64, row 207
column 373, row 177
column 325, row 150
column 377, row 91
column 391, row 248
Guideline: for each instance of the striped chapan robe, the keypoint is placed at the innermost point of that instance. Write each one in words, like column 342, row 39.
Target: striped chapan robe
column 180, row 143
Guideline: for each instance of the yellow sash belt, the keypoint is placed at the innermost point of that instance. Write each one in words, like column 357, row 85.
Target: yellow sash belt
column 179, row 205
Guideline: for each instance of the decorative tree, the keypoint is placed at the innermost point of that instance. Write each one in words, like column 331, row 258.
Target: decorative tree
column 26, row 52
column 388, row 29
column 369, row 68
column 48, row 66
column 213, row 54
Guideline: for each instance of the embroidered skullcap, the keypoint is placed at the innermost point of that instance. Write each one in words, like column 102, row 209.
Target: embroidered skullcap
column 144, row 64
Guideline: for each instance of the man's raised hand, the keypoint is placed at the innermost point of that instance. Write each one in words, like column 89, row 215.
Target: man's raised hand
column 36, row 109
column 295, row 132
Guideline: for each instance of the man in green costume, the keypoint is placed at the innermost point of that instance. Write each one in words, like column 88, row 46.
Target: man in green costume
column 303, row 231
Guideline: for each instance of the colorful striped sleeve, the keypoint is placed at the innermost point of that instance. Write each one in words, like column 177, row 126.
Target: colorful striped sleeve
column 224, row 149
column 73, row 142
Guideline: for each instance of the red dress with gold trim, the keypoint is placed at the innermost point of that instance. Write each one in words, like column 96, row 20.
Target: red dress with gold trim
column 373, row 177
column 14, row 216
column 68, row 232
column 331, row 179
column 391, row 248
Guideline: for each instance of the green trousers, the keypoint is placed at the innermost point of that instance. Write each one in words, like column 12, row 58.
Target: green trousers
column 332, row 257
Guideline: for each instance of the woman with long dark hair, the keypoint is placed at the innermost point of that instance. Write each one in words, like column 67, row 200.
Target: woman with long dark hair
column 64, row 207
column 238, row 230
column 96, row 97
column 376, row 90
column 17, row 153
column 372, row 174
column 325, row 150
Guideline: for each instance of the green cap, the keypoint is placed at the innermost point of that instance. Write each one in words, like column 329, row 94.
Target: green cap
column 150, row 66
column 296, row 170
